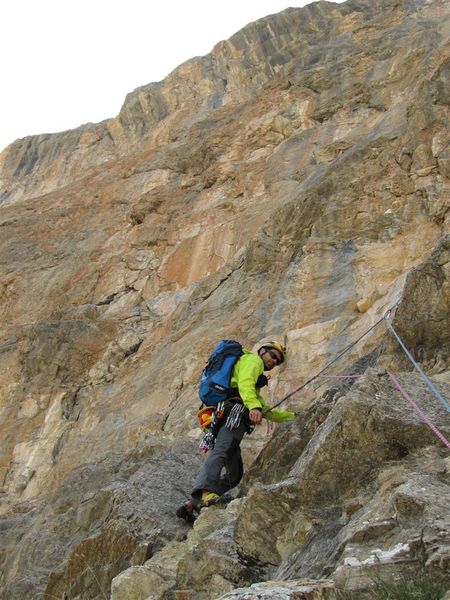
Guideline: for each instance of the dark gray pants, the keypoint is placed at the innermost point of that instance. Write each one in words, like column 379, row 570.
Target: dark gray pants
column 225, row 454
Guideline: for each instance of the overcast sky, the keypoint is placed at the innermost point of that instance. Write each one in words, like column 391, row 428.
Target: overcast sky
column 68, row 62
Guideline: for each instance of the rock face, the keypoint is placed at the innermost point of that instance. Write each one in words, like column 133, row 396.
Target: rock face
column 293, row 183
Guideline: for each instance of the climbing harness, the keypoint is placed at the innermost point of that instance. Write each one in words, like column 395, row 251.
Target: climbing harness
column 429, row 383
column 210, row 418
column 418, row 410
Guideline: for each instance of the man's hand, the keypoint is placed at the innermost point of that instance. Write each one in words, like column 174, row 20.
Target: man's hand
column 255, row 416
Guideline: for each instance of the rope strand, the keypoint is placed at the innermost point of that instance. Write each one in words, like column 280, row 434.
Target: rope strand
column 349, row 347
column 429, row 383
column 385, row 317
column 418, row 410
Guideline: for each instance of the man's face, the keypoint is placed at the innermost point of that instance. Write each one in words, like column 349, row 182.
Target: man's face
column 271, row 358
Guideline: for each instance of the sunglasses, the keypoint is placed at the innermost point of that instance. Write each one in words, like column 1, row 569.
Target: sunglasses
column 274, row 356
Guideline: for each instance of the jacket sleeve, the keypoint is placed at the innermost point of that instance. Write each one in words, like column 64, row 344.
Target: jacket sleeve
column 278, row 416
column 248, row 368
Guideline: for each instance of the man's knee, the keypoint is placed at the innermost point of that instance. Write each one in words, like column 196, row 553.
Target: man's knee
column 236, row 475
column 233, row 448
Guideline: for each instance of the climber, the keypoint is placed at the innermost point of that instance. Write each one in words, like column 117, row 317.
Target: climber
column 244, row 409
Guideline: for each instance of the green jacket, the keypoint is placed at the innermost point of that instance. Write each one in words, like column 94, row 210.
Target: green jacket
column 245, row 375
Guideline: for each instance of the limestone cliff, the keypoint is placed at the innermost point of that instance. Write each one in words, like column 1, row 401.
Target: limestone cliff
column 292, row 183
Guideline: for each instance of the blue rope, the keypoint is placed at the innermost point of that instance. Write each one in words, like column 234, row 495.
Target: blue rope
column 429, row 383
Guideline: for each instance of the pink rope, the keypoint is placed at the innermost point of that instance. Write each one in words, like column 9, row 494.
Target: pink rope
column 418, row 410
column 339, row 376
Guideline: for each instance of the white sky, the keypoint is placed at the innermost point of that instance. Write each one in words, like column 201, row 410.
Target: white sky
column 68, row 62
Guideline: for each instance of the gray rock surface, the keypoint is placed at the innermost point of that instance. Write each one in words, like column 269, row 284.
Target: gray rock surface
column 282, row 590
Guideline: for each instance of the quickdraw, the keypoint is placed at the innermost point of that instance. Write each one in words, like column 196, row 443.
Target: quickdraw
column 235, row 417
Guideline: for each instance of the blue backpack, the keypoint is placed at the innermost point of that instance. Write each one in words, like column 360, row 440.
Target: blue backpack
column 216, row 376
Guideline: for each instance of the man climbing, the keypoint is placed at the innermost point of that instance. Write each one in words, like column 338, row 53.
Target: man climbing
column 244, row 409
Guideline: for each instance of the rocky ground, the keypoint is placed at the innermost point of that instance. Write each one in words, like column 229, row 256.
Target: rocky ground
column 355, row 488
column 293, row 183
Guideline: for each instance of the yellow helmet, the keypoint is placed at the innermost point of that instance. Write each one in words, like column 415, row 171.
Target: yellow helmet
column 277, row 346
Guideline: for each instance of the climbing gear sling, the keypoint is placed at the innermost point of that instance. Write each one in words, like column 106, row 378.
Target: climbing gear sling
column 209, row 419
column 230, row 413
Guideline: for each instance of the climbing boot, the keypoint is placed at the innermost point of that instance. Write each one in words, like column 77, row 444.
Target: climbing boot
column 186, row 512
column 209, row 499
